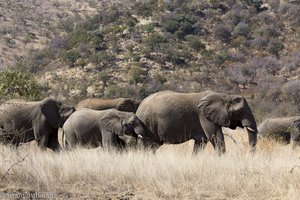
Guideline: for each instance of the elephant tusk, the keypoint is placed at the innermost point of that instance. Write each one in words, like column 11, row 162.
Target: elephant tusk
column 250, row 129
column 139, row 136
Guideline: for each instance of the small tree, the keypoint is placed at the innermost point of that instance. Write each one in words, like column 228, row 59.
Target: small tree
column 19, row 84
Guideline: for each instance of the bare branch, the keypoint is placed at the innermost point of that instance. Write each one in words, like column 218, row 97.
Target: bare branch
column 13, row 165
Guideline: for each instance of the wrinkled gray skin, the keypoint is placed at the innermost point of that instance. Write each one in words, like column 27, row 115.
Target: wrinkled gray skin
column 108, row 128
column 285, row 129
column 22, row 121
column 122, row 104
column 172, row 117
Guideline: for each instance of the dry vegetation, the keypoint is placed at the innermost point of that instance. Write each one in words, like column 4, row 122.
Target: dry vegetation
column 172, row 173
column 97, row 48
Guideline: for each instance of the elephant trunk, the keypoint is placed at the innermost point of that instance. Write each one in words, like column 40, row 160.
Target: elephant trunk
column 251, row 127
column 146, row 137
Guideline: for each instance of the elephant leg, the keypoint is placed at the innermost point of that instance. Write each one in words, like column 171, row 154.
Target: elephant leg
column 214, row 134
column 43, row 142
column 110, row 140
column 295, row 141
column 53, row 141
column 199, row 145
column 220, row 142
column 41, row 133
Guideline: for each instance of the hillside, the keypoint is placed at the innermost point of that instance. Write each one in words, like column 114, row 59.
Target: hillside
column 81, row 49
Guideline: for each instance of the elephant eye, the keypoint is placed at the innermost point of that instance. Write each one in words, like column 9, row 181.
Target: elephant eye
column 131, row 123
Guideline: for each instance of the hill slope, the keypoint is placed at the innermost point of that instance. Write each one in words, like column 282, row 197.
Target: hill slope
column 135, row 48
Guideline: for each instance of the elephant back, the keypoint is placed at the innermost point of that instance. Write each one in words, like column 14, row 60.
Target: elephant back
column 122, row 104
column 17, row 113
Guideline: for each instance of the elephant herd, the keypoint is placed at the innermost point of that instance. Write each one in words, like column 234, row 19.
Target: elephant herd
column 163, row 117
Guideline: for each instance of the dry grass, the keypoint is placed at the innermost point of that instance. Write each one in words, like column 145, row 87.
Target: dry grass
column 172, row 173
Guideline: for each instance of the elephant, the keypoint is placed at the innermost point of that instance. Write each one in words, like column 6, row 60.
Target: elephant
column 284, row 130
column 122, row 104
column 111, row 129
column 172, row 117
column 24, row 121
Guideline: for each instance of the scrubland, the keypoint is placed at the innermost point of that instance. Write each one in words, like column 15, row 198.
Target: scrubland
column 171, row 173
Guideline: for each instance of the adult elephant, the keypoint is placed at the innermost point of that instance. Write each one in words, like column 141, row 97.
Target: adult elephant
column 284, row 129
column 174, row 118
column 107, row 128
column 22, row 121
column 122, row 104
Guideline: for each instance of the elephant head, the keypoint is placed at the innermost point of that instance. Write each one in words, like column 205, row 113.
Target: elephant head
column 230, row 111
column 55, row 112
column 124, row 124
column 296, row 132
column 296, row 123
column 128, row 105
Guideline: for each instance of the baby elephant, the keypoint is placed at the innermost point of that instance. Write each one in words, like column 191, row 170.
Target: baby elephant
column 284, row 130
column 107, row 128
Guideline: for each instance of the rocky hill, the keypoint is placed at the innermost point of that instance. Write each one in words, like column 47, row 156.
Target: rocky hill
column 79, row 49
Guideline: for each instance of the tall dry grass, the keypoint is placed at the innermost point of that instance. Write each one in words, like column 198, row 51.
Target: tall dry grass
column 172, row 173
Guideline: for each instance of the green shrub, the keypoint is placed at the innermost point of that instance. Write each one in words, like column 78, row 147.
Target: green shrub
column 118, row 29
column 160, row 78
column 170, row 25
column 137, row 74
column 76, row 37
column 71, row 56
column 154, row 39
column 147, row 28
column 96, row 39
column 115, row 91
column 242, row 29
column 275, row 46
column 194, row 42
column 131, row 22
column 101, row 57
column 19, row 84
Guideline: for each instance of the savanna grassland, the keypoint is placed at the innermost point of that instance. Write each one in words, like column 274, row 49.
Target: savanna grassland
column 74, row 49
column 172, row 173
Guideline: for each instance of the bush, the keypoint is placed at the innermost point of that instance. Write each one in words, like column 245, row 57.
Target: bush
column 96, row 39
column 242, row 29
column 275, row 46
column 71, row 56
column 194, row 42
column 137, row 74
column 170, row 25
column 19, row 84
column 115, row 91
column 101, row 57
column 147, row 28
column 154, row 40
column 76, row 37
column 222, row 32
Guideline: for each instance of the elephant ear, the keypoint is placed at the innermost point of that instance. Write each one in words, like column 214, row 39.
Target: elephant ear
column 215, row 108
column 112, row 123
column 50, row 110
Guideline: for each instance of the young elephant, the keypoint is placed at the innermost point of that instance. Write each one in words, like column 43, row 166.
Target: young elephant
column 122, row 104
column 284, row 129
column 107, row 128
column 22, row 121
